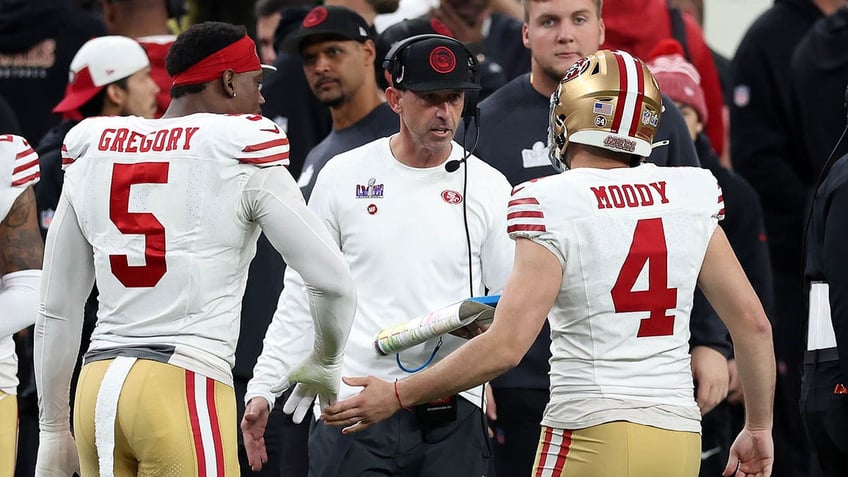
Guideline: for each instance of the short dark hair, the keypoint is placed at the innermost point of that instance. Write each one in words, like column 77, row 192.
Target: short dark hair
column 195, row 44
column 94, row 106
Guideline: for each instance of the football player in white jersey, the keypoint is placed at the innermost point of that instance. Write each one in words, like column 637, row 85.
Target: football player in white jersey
column 21, row 253
column 164, row 214
column 610, row 251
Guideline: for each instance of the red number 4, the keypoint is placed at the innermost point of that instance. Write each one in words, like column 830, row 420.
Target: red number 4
column 648, row 247
column 138, row 223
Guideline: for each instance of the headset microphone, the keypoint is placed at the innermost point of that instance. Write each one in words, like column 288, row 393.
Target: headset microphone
column 453, row 164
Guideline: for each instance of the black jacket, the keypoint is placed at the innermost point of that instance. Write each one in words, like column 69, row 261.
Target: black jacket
column 38, row 40
column 820, row 76
column 766, row 148
column 827, row 250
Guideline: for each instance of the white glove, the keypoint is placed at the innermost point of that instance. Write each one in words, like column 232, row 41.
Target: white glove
column 57, row 454
column 314, row 376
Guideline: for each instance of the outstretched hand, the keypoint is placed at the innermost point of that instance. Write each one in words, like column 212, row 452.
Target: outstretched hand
column 315, row 377
column 253, row 431
column 751, row 455
column 376, row 402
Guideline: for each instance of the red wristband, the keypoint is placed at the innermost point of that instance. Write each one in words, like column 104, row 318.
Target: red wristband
column 397, row 395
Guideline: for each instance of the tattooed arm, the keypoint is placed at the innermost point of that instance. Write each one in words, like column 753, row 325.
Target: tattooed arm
column 21, row 252
column 21, row 247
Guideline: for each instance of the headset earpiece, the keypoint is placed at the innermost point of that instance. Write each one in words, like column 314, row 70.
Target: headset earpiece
column 472, row 97
column 392, row 64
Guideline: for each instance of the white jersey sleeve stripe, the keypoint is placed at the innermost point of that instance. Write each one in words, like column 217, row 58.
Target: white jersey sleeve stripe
column 66, row 157
column 26, row 170
column 282, row 158
column 267, row 145
column 525, row 215
column 720, row 213
column 268, row 153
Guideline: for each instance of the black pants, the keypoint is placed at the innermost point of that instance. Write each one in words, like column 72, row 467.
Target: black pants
column 826, row 416
column 716, row 438
column 399, row 447
column 517, row 429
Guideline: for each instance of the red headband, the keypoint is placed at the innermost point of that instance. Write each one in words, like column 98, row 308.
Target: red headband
column 239, row 56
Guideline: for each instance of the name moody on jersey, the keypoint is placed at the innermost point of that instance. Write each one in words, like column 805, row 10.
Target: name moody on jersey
column 126, row 140
column 629, row 195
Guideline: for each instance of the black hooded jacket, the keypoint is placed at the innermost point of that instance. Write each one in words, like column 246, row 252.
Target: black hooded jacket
column 38, row 40
column 820, row 78
column 766, row 148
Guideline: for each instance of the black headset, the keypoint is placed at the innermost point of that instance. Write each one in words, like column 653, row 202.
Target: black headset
column 394, row 66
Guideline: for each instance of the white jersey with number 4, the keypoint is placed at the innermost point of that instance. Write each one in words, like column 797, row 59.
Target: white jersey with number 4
column 161, row 203
column 18, row 170
column 631, row 242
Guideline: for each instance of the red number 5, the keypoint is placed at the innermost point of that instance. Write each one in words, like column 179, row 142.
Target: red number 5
column 648, row 247
column 138, row 223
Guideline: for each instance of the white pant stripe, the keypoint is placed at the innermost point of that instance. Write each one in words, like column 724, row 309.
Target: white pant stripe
column 106, row 412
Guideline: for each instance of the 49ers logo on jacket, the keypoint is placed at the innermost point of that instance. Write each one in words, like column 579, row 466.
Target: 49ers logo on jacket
column 442, row 60
column 451, row 196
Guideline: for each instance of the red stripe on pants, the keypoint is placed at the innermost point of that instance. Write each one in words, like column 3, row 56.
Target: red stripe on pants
column 195, row 425
column 216, row 431
column 543, row 455
column 564, row 447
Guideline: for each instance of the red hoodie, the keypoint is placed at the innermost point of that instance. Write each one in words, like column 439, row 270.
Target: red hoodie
column 157, row 49
column 636, row 26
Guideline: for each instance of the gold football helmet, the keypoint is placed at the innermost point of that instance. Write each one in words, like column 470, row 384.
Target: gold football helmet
column 610, row 100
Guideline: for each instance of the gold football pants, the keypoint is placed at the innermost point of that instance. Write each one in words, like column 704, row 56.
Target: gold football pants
column 620, row 449
column 8, row 433
column 145, row 418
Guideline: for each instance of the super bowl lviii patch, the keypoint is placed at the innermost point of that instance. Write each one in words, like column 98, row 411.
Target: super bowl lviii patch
column 369, row 190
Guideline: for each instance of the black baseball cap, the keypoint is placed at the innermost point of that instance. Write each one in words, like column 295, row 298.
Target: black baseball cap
column 402, row 30
column 435, row 63
column 330, row 20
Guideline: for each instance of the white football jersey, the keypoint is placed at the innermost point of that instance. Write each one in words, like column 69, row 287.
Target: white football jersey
column 18, row 170
column 631, row 243
column 160, row 202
